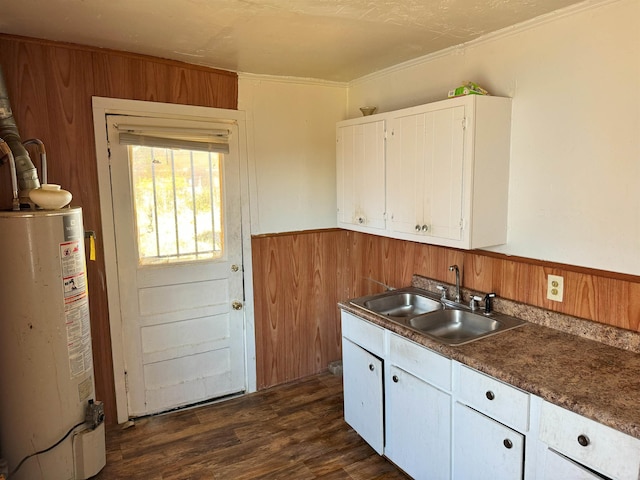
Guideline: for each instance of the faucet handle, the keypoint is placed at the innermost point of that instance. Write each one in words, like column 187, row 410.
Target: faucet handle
column 443, row 291
column 473, row 302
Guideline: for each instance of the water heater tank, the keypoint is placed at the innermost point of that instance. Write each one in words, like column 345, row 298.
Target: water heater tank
column 46, row 364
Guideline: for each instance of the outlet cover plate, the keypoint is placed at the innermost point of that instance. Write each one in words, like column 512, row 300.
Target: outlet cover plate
column 555, row 288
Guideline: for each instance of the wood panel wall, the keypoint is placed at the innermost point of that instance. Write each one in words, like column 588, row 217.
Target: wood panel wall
column 297, row 281
column 299, row 278
column 50, row 87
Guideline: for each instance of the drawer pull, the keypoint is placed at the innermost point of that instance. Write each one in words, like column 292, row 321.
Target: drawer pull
column 583, row 440
column 507, row 443
column 371, row 367
column 490, row 395
column 395, row 379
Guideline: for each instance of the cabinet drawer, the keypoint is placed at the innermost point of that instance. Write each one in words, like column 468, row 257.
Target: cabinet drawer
column 503, row 402
column 606, row 450
column 367, row 335
column 420, row 361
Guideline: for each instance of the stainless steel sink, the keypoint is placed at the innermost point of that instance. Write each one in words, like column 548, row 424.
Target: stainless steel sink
column 400, row 304
column 456, row 326
column 442, row 320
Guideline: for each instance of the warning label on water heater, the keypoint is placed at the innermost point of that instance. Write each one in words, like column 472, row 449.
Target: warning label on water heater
column 76, row 307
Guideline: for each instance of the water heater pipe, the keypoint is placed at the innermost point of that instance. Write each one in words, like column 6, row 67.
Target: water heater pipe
column 25, row 170
column 5, row 151
column 43, row 156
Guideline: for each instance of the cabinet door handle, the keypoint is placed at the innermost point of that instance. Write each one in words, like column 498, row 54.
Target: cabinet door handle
column 417, row 228
column 583, row 440
column 395, row 379
column 371, row 367
column 490, row 395
column 425, row 228
column 507, row 443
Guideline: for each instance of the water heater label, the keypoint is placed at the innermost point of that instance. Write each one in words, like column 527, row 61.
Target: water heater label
column 73, row 229
column 76, row 307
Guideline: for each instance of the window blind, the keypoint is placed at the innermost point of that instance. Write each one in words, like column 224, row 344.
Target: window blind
column 205, row 140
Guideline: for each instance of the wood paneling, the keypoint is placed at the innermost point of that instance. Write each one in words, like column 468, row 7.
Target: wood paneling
column 296, row 282
column 298, row 279
column 50, row 87
column 604, row 297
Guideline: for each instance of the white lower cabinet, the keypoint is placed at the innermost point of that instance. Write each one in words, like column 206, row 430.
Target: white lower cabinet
column 484, row 448
column 363, row 401
column 417, row 413
column 438, row 419
column 610, row 453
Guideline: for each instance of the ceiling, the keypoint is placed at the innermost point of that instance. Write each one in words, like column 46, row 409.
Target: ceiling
column 336, row 40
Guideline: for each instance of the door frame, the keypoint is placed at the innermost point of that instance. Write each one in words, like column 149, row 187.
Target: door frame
column 103, row 106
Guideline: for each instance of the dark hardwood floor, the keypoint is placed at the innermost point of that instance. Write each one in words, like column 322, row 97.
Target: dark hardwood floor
column 295, row 431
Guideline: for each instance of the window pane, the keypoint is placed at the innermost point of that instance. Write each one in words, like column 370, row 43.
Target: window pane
column 177, row 201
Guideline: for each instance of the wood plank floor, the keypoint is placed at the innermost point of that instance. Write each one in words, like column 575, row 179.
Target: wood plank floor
column 295, row 431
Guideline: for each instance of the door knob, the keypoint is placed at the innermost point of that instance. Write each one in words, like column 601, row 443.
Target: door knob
column 235, row 268
column 236, row 305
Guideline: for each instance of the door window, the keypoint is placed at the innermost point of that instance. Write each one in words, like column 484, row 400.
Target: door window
column 177, row 204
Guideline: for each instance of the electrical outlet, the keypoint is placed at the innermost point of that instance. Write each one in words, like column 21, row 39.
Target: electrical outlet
column 555, row 287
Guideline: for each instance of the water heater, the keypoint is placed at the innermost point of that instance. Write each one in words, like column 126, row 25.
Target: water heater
column 46, row 364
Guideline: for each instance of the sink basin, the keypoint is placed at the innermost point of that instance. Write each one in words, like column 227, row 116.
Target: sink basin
column 400, row 304
column 456, row 327
column 441, row 320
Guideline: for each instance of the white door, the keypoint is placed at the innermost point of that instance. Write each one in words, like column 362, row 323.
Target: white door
column 426, row 173
column 484, row 448
column 363, row 393
column 176, row 208
column 558, row 467
column 360, row 155
column 419, row 443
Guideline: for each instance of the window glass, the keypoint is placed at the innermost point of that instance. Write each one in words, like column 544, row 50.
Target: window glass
column 178, row 204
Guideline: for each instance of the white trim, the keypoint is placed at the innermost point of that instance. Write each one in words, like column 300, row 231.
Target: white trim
column 286, row 79
column 103, row 106
column 489, row 37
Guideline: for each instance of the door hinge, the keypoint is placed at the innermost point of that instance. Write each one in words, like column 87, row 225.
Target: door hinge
column 126, row 382
column 464, row 123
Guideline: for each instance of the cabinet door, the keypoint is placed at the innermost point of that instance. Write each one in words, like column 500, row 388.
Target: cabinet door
column 484, row 448
column 558, row 467
column 426, row 173
column 418, row 426
column 361, row 175
column 363, row 407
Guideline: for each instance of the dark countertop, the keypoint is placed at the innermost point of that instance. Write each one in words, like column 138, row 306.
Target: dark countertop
column 590, row 378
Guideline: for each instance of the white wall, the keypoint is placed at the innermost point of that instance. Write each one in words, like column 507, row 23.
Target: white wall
column 575, row 154
column 291, row 146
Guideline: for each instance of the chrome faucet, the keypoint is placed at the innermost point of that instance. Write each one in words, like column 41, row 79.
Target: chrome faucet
column 457, row 270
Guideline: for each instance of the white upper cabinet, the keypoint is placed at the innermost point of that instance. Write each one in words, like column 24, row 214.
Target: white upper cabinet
column 447, row 172
column 360, row 153
column 425, row 173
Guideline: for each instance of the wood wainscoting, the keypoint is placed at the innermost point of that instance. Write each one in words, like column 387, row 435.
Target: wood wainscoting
column 50, row 88
column 297, row 281
column 299, row 277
